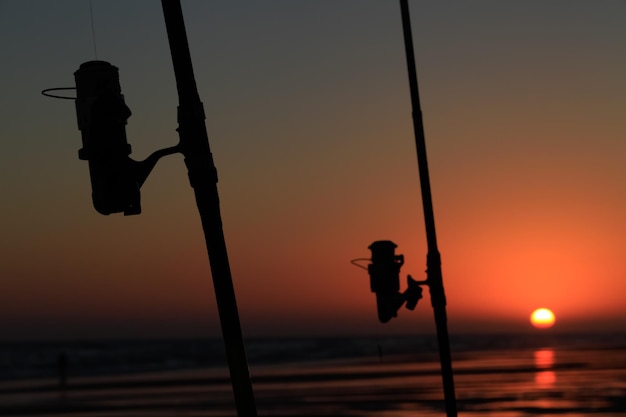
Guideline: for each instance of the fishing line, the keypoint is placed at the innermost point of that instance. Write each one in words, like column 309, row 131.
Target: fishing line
column 93, row 30
column 356, row 261
column 46, row 92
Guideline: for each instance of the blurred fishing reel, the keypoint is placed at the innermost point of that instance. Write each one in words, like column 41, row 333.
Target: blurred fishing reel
column 384, row 272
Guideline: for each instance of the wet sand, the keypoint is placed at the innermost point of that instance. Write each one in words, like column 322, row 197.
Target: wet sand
column 508, row 384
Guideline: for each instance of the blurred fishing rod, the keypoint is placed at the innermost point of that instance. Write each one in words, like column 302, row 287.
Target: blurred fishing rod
column 434, row 278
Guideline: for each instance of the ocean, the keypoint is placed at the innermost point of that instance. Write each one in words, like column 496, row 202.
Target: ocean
column 571, row 375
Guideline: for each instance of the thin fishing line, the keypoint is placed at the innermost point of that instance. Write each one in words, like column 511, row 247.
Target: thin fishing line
column 47, row 93
column 93, row 30
column 356, row 261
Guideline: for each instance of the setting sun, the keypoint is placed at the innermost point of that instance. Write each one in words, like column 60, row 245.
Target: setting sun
column 542, row 318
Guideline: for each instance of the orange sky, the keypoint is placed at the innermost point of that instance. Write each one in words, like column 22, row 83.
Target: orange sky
column 308, row 116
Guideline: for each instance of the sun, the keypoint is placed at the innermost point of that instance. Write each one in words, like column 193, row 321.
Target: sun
column 542, row 318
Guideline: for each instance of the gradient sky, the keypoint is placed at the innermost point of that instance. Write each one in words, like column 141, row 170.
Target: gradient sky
column 309, row 120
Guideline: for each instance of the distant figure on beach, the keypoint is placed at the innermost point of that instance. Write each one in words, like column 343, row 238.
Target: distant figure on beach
column 62, row 362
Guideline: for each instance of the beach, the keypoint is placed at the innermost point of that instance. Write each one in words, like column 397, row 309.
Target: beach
column 365, row 377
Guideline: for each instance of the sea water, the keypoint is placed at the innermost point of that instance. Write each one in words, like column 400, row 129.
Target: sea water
column 494, row 375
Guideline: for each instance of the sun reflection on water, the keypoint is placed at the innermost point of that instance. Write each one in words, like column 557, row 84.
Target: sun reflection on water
column 544, row 363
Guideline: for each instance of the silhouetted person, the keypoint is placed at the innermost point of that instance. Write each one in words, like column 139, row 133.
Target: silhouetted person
column 62, row 363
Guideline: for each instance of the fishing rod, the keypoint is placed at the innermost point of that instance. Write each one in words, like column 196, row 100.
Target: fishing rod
column 194, row 145
column 434, row 278
column 116, row 179
column 384, row 269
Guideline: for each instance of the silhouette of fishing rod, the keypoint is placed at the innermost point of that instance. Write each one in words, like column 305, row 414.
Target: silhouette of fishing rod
column 194, row 144
column 116, row 178
column 384, row 269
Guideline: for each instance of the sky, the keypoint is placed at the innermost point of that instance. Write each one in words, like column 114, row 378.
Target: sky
column 309, row 121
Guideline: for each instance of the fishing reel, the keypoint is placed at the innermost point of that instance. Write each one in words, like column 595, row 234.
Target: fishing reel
column 384, row 272
column 102, row 115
